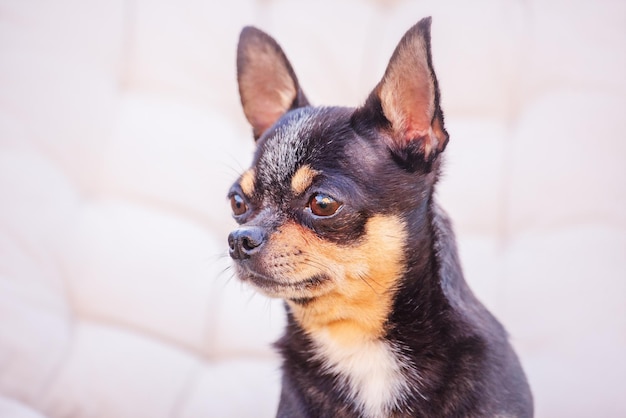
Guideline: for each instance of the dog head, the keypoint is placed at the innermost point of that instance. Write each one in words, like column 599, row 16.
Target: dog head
column 336, row 199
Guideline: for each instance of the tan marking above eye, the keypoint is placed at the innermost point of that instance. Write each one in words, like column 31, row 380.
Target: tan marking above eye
column 303, row 179
column 246, row 182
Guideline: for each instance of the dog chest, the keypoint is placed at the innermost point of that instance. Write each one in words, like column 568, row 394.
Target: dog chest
column 370, row 372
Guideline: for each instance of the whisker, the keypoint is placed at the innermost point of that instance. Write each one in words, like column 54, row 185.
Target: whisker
column 368, row 280
column 365, row 280
column 226, row 269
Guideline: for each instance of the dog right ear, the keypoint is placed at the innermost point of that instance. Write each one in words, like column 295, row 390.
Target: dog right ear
column 268, row 86
column 405, row 104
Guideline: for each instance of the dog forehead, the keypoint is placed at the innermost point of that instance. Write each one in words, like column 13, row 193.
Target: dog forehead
column 285, row 148
column 306, row 136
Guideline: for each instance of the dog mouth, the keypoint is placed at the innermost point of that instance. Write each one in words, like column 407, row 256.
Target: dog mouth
column 285, row 288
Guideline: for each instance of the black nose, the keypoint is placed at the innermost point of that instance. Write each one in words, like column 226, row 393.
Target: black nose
column 243, row 242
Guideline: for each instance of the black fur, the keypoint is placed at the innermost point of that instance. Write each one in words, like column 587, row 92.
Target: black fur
column 456, row 356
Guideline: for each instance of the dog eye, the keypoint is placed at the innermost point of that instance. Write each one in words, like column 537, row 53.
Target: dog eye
column 238, row 205
column 323, row 205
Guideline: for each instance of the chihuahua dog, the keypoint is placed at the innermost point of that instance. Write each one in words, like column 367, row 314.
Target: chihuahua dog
column 337, row 217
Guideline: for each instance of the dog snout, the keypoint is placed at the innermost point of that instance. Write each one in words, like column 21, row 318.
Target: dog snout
column 243, row 242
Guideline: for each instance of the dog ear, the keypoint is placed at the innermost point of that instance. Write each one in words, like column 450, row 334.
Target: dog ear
column 408, row 98
column 268, row 86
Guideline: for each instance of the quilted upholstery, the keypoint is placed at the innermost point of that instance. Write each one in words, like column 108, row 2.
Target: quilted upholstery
column 120, row 132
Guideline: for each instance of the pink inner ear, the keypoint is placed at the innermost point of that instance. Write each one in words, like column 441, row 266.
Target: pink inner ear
column 266, row 83
column 407, row 100
column 410, row 111
column 266, row 98
column 407, row 94
column 267, row 92
column 417, row 109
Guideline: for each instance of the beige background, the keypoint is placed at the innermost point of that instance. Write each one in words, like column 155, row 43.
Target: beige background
column 120, row 132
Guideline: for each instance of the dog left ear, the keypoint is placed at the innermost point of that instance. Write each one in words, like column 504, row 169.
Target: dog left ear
column 408, row 98
column 268, row 86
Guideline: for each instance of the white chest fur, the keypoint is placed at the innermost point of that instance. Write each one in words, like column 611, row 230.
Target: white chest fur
column 370, row 371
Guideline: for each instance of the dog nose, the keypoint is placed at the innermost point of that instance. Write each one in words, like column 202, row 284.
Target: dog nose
column 243, row 242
